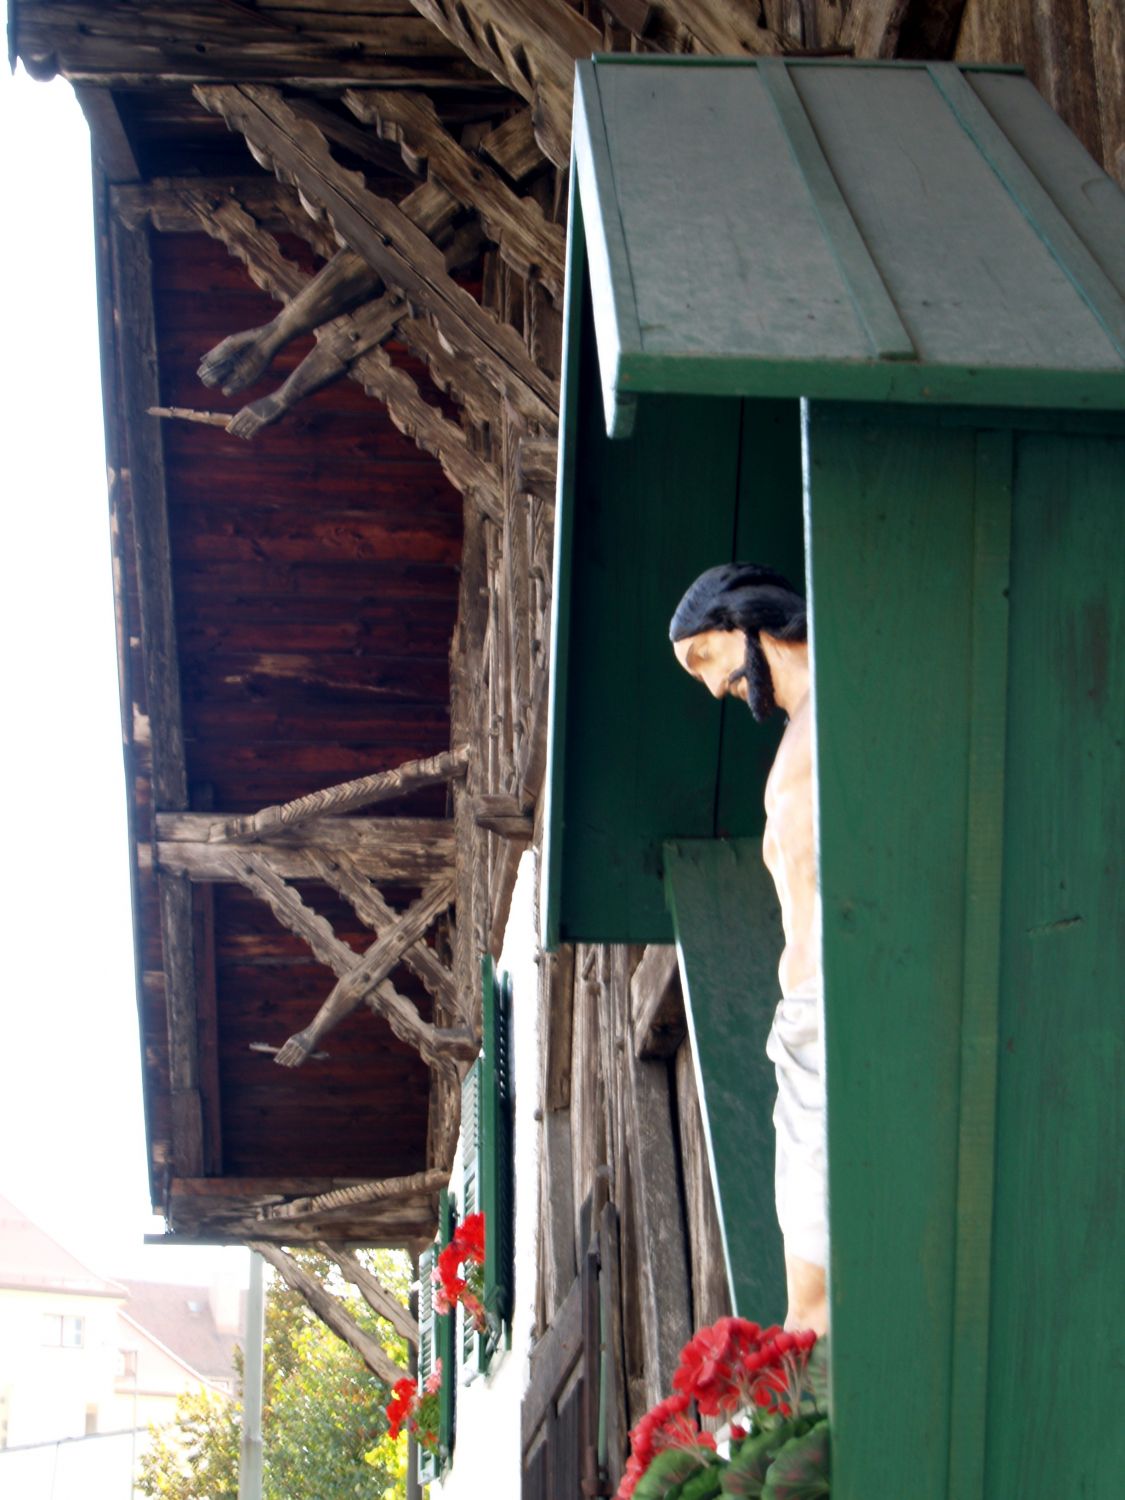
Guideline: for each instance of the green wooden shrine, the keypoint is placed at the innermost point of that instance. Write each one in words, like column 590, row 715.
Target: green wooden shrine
column 866, row 323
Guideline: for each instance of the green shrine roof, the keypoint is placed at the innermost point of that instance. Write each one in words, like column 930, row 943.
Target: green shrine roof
column 865, row 231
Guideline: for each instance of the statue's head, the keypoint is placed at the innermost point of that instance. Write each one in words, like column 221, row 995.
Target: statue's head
column 716, row 626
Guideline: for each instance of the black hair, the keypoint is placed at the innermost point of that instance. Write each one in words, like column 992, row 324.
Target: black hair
column 750, row 598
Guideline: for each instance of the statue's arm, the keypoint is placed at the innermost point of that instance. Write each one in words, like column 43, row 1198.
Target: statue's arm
column 240, row 359
column 339, row 1004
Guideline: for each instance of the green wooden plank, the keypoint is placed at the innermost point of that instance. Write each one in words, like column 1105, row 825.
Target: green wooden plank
column 641, row 752
column 1092, row 203
column 1058, row 1296
column 873, row 304
column 574, row 326
column 656, row 59
column 891, row 545
column 728, row 937
column 1087, row 277
column 496, row 1153
column 988, row 692
column 970, row 277
column 724, row 243
column 875, row 380
column 607, row 251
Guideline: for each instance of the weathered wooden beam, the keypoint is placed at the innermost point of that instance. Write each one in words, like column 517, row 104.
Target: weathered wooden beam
column 354, row 1195
column 139, row 389
column 359, row 979
column 123, row 43
column 375, row 1294
column 503, row 814
column 528, row 45
column 661, row 1262
column 398, row 851
column 657, row 1006
column 331, row 1312
column 458, row 378
column 113, row 150
column 725, row 27
column 178, row 959
column 345, row 797
column 535, row 468
column 341, row 873
column 207, row 1026
column 529, row 243
column 364, row 979
column 390, row 243
column 513, row 147
column 162, row 201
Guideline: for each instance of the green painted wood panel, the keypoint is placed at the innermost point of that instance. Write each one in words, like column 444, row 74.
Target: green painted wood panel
column 1058, row 1306
column 634, row 742
column 728, row 937
column 891, row 541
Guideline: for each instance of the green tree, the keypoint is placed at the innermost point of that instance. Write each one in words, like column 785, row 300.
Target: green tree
column 324, row 1427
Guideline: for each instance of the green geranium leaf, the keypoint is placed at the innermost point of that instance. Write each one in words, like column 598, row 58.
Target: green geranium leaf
column 703, row 1486
column 800, row 1469
column 745, row 1475
column 669, row 1471
column 816, row 1375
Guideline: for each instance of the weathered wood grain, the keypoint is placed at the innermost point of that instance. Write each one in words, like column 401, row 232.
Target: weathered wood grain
column 378, row 230
column 375, row 1294
column 657, row 1004
column 340, row 871
column 527, row 241
column 346, row 797
column 395, row 850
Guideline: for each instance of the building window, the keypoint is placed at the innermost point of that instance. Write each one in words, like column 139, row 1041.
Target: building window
column 62, row 1332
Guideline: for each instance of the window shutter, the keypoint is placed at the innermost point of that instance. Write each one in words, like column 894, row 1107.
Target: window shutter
column 486, row 1149
column 497, row 1197
column 474, row 1355
column 446, row 1346
column 427, row 1351
column 435, row 1341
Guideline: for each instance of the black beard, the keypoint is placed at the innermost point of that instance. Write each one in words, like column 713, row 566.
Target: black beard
column 759, row 682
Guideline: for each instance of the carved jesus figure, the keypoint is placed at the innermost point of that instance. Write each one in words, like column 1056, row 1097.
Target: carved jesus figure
column 741, row 630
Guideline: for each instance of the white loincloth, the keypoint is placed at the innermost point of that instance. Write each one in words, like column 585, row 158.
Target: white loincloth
column 800, row 1181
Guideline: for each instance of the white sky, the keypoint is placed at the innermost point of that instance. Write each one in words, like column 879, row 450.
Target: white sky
column 71, row 1125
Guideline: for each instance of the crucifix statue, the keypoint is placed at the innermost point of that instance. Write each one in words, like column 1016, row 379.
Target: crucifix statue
column 741, row 631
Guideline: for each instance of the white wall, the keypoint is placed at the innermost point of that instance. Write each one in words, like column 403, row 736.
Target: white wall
column 46, row 1388
column 486, row 1457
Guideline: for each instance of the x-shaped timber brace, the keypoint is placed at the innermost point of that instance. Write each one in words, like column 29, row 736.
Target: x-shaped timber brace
column 308, row 838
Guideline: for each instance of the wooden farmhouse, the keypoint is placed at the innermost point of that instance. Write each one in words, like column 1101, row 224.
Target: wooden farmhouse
column 406, row 925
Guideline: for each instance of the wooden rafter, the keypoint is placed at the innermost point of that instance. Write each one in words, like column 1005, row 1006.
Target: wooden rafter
column 530, row 244
column 528, row 45
column 340, row 872
column 331, row 1312
column 345, row 796
column 387, row 1189
column 394, row 247
column 374, row 1293
column 361, row 979
column 403, row 851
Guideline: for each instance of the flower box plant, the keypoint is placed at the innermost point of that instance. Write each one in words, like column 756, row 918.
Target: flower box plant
column 769, row 1383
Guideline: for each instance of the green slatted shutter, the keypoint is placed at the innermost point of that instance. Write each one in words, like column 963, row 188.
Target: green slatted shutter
column 436, row 1341
column 446, row 1346
column 474, row 1355
column 427, row 1350
column 496, row 1184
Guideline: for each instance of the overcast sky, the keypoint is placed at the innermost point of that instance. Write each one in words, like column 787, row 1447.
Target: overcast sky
column 71, row 1127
